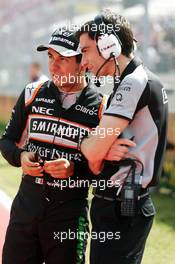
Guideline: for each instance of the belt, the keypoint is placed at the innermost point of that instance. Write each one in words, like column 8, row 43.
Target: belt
column 37, row 180
column 50, row 190
column 110, row 194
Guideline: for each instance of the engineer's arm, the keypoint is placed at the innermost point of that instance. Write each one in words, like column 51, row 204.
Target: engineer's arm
column 95, row 147
column 128, row 99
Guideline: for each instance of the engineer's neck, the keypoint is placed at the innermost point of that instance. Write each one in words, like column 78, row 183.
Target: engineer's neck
column 122, row 61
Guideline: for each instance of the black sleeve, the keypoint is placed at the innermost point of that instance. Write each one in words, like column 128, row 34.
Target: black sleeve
column 13, row 133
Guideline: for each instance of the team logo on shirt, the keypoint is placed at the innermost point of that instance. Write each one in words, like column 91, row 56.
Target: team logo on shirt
column 126, row 87
column 85, row 110
column 42, row 110
column 45, row 100
column 58, row 130
column 54, row 153
column 165, row 97
column 119, row 97
column 30, row 90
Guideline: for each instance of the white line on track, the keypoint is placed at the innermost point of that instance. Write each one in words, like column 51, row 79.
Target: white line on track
column 5, row 200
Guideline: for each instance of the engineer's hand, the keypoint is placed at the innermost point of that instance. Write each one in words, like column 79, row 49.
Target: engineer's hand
column 119, row 149
column 59, row 168
column 29, row 165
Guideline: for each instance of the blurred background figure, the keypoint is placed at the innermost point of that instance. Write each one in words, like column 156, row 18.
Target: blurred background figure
column 35, row 73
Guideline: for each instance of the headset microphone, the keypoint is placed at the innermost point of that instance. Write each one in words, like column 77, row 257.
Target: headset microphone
column 97, row 81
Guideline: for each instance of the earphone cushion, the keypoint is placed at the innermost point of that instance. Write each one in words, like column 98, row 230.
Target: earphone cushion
column 108, row 44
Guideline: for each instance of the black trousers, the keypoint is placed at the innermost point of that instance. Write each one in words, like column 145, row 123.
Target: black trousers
column 45, row 231
column 119, row 239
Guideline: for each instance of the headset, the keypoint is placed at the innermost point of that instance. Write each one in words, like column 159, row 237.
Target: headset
column 108, row 42
column 108, row 45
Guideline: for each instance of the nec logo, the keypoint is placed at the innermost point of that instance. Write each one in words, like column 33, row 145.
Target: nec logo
column 42, row 110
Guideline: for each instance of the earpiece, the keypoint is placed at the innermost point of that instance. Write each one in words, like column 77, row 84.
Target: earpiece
column 107, row 40
column 108, row 44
